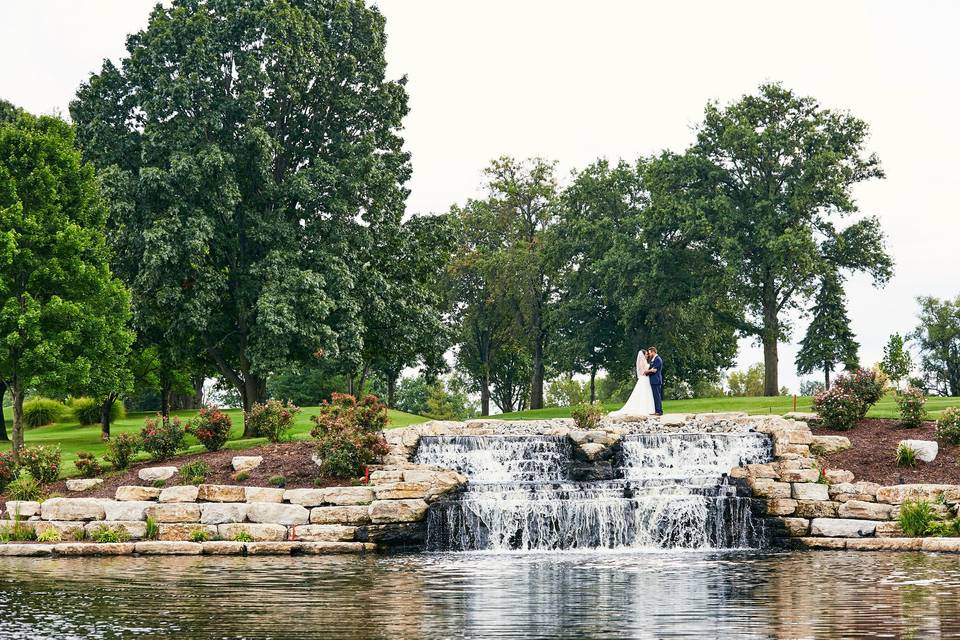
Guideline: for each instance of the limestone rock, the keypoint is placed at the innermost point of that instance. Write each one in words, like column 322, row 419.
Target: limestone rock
column 864, row 510
column 277, row 513
column 157, row 547
column 273, row 548
column 135, row 493
column 810, row 491
column 358, row 514
column 949, row 545
column 899, row 493
column 842, row 527
column 885, row 544
column 221, row 493
column 795, row 527
column 222, row 513
column 781, row 506
column 767, row 488
column 181, row 493
column 67, row 530
column 22, row 509
column 246, row 463
column 398, row 510
column 329, row 548
column 802, row 416
column 77, row 485
column 386, row 475
column 305, row 497
column 183, row 531
column 323, row 533
column 815, row 509
column 347, row 495
column 825, row 445
column 593, row 450
column 401, row 490
column 259, row 532
column 27, row 550
column 262, row 494
column 926, row 449
column 126, row 510
column 72, row 509
column 174, row 512
column 800, row 475
column 136, row 529
column 152, row 474
column 762, row 471
column 839, row 475
column 888, row 529
column 94, row 549
column 223, row 548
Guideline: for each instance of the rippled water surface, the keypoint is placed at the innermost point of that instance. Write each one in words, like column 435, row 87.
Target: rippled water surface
column 589, row 595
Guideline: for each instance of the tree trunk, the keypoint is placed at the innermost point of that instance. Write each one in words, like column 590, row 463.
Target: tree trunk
column 105, row 410
column 771, row 331
column 3, row 421
column 253, row 391
column 17, row 394
column 197, row 391
column 593, row 384
column 536, row 379
column 165, row 392
column 391, row 389
column 826, row 378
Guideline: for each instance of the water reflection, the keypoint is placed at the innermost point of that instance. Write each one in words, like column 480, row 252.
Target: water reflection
column 571, row 595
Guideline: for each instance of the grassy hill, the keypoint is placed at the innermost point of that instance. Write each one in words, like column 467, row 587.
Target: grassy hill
column 886, row 408
column 73, row 437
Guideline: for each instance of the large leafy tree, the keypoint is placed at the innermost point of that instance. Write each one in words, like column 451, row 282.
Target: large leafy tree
column 829, row 340
column 938, row 336
column 896, row 361
column 780, row 171
column 250, row 148
column 62, row 312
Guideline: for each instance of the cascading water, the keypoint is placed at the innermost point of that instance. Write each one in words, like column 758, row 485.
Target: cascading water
column 671, row 491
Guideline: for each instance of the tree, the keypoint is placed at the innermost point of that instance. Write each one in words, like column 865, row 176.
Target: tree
column 3, row 421
column 938, row 336
column 896, row 361
column 749, row 383
column 779, row 172
column 829, row 340
column 249, row 150
column 62, row 313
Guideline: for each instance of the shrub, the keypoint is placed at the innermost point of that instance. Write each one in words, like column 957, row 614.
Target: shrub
column 162, row 439
column 912, row 411
column 159, row 484
column 121, row 449
column 87, row 410
column 277, row 481
column 24, row 487
column 39, row 411
column 906, row 456
column 111, row 534
column 349, row 435
column 8, row 469
column 212, row 428
column 243, row 536
column 195, row 472
column 88, row 465
column 153, row 529
column 49, row 535
column 16, row 532
column 273, row 420
column 79, row 534
column 948, row 426
column 587, row 416
column 42, row 462
column 838, row 408
column 241, row 476
column 915, row 517
column 867, row 385
column 199, row 535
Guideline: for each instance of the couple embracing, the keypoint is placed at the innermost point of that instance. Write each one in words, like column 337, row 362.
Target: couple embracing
column 647, row 396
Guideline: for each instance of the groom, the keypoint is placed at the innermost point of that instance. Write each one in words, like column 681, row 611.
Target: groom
column 656, row 378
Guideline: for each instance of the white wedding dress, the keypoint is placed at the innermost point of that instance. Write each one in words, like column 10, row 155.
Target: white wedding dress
column 640, row 402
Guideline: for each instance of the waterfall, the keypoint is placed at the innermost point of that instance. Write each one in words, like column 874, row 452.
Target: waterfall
column 670, row 491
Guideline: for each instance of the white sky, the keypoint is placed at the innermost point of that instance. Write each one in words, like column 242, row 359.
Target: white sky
column 574, row 80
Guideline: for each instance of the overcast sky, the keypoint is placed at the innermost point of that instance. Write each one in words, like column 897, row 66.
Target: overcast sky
column 573, row 81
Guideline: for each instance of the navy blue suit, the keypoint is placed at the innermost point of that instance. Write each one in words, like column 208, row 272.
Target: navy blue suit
column 656, row 383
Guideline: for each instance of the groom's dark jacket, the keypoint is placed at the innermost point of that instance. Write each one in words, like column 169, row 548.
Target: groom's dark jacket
column 657, row 378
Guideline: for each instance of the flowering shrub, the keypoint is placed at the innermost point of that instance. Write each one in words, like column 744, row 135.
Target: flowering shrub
column 273, row 420
column 162, row 439
column 866, row 384
column 121, row 449
column 42, row 462
column 8, row 469
column 349, row 434
column 912, row 411
column 87, row 464
column 587, row 416
column 212, row 428
column 948, row 426
column 838, row 408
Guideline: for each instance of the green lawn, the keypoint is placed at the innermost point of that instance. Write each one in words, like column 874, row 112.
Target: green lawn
column 73, row 437
column 886, row 408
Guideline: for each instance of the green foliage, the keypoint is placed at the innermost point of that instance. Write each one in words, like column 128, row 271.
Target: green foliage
column 8, row 469
column 271, row 420
column 162, row 438
column 868, row 385
column 79, row 534
column 42, row 462
column 306, row 384
column 152, row 529
column 159, row 484
column 241, row 476
column 24, row 487
column 915, row 517
column 412, row 394
column 838, row 408
column 199, row 535
column 277, row 481
column 911, row 403
column 829, row 340
column 448, row 400
column 906, row 456
column 938, row 337
column 747, row 383
column 243, row 536
column 49, row 535
column 211, row 427
column 896, row 361
column 587, row 416
column 88, row 411
column 567, row 392
column 87, row 465
column 16, row 532
column 121, row 449
column 349, row 435
column 195, row 472
column 39, row 412
column 948, row 426
column 110, row 534
column 811, row 388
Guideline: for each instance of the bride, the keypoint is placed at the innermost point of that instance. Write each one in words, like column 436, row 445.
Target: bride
column 641, row 400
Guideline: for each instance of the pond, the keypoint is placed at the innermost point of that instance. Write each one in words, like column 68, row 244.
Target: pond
column 484, row 595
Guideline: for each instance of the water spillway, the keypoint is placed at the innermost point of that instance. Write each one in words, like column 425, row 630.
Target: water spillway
column 667, row 491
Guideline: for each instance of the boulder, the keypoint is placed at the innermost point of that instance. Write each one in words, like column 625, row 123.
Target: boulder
column 781, row 506
column 398, row 510
column 842, row 527
column 357, row 514
column 94, row 549
column 348, row 495
column 174, row 512
column 815, row 509
column 246, row 463
column 67, row 530
column 262, row 494
column 21, row 509
column 222, row 513
column 322, row 533
column 386, row 475
column 181, row 493
column 947, row 545
column 768, row 488
column 72, row 509
column 795, row 527
column 899, row 493
column 305, row 497
column 864, row 510
column 137, row 493
column 825, row 445
column 889, row 529
column 402, row 490
column 839, row 475
column 810, row 491
column 762, row 471
column 330, row 548
column 183, row 531
column 162, row 548
column 221, row 493
column 273, row 548
column 152, row 474
column 885, row 544
column 800, row 475
column 223, row 548
column 271, row 512
column 126, row 510
column 926, row 449
column 136, row 529
column 14, row 549
column 77, row 485
column 259, row 532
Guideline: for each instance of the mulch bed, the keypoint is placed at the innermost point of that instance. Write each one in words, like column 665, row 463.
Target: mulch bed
column 874, row 448
column 291, row 460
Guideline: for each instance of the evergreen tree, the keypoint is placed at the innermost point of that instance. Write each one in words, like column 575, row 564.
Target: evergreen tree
column 829, row 340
